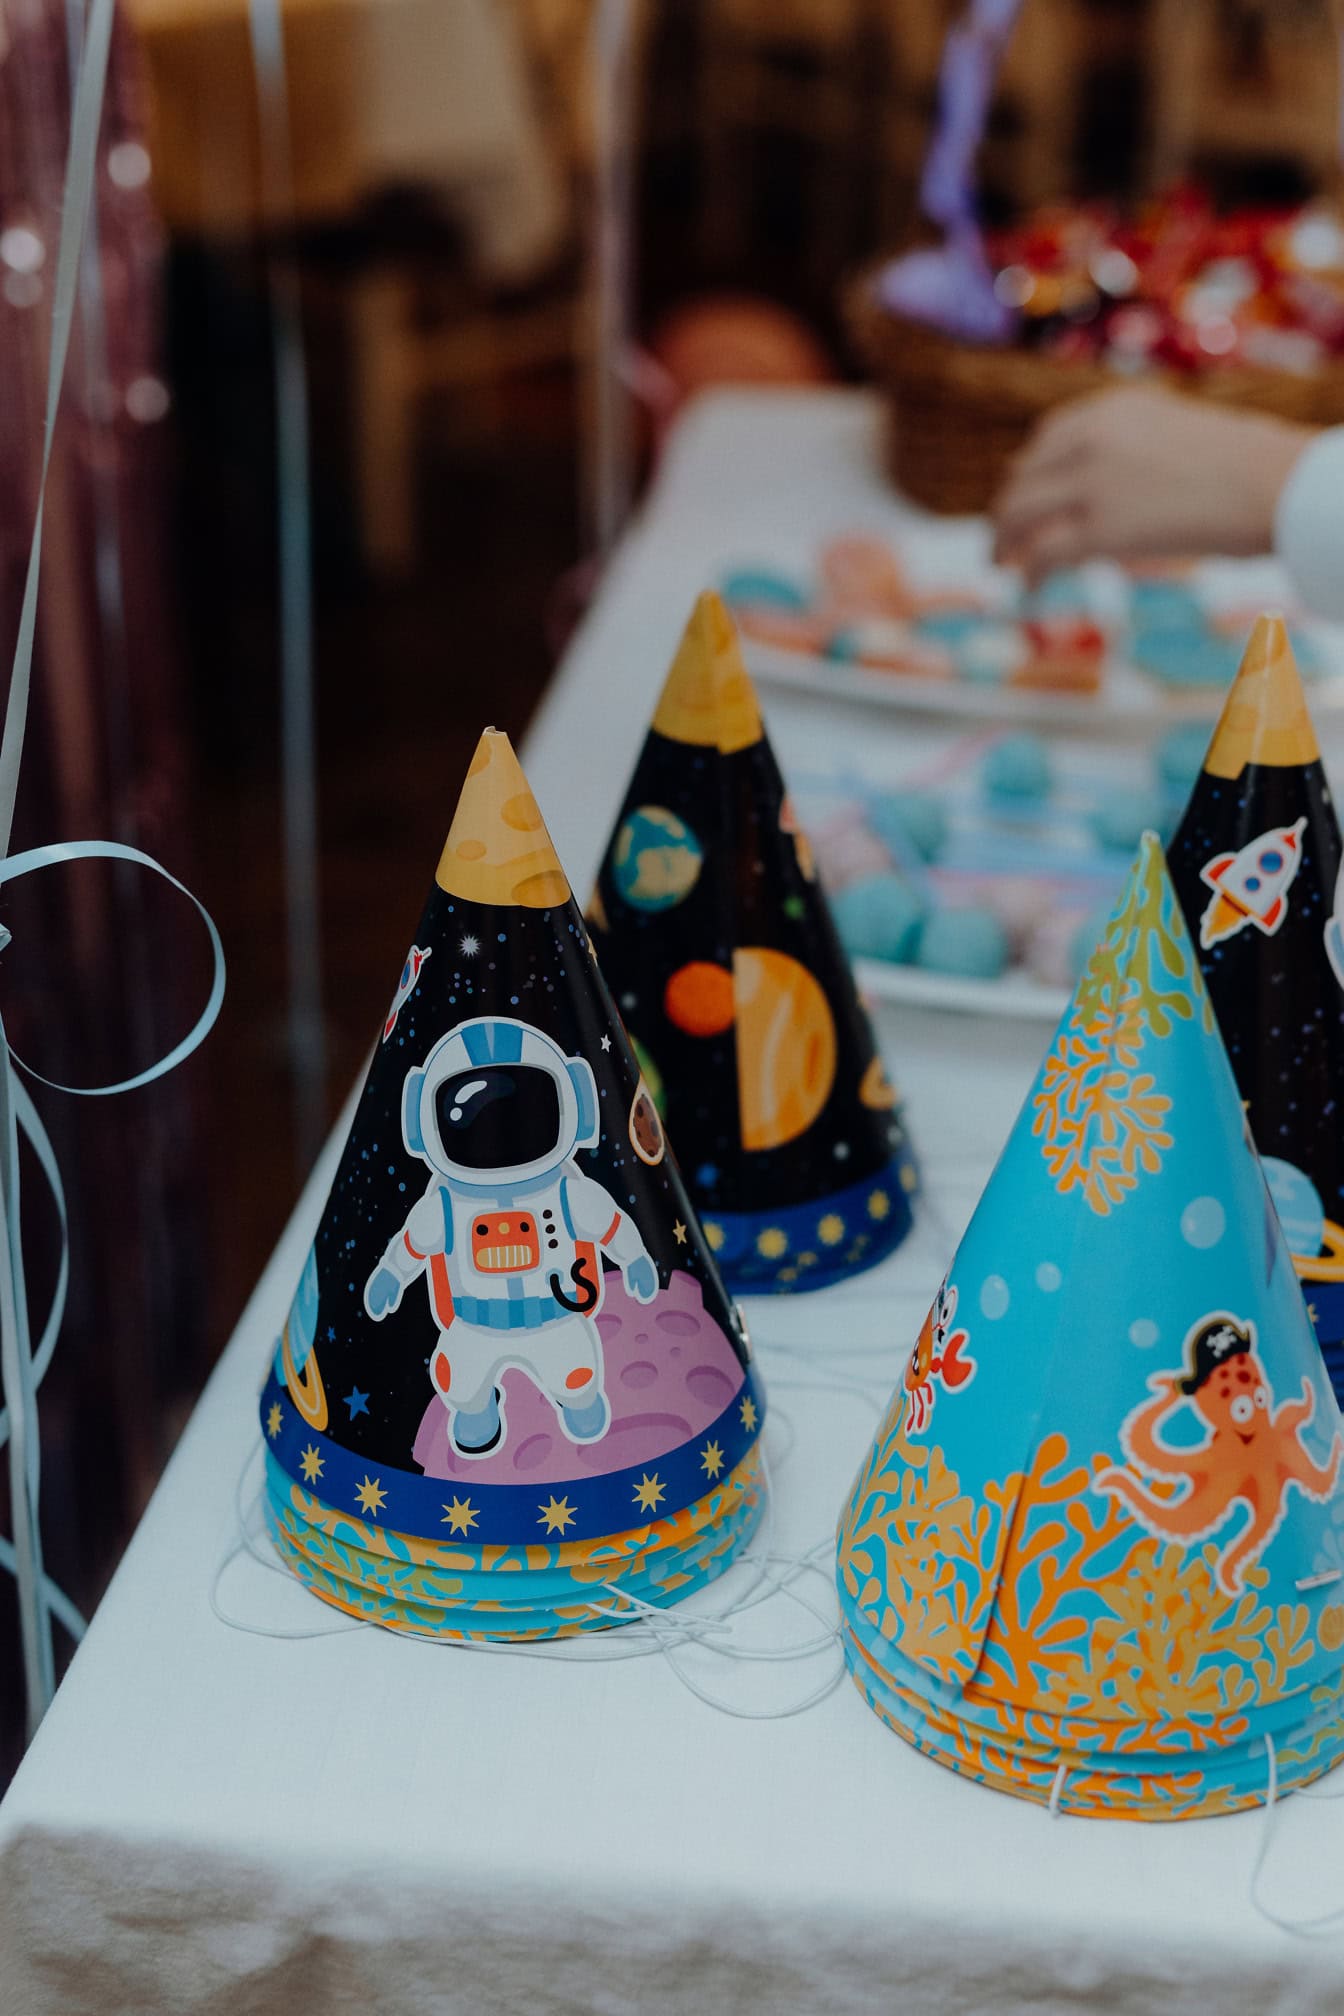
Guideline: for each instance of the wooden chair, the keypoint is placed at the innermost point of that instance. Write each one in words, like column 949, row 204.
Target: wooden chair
column 1255, row 79
column 793, row 67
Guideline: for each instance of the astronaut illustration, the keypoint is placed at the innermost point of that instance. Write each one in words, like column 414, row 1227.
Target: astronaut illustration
column 510, row 1232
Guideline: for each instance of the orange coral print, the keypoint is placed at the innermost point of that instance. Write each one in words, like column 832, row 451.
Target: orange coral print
column 1103, row 1126
column 1252, row 1455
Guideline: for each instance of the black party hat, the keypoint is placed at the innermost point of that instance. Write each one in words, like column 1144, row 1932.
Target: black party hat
column 718, row 943
column 1256, row 863
column 511, row 1347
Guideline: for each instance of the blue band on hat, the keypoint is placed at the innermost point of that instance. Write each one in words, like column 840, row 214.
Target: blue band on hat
column 511, row 1513
column 830, row 1238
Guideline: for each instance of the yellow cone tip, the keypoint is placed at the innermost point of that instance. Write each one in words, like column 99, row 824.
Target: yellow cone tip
column 1265, row 719
column 708, row 700
column 498, row 850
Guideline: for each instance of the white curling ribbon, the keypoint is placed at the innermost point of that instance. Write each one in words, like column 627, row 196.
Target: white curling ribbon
column 22, row 1367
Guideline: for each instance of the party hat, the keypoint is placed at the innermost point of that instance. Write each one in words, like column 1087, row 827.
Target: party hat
column 511, row 1382
column 718, row 942
column 1256, row 862
column 1096, row 1554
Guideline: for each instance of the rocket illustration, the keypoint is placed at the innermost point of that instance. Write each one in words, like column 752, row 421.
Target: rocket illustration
column 1334, row 931
column 410, row 973
column 1251, row 887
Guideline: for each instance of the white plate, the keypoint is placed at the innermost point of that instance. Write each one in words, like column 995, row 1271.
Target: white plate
column 1014, row 993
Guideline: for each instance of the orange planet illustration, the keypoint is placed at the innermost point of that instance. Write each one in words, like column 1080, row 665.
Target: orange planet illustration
column 876, row 1089
column 785, row 1046
column 699, row 999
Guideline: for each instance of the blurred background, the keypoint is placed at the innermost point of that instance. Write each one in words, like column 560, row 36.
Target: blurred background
column 439, row 240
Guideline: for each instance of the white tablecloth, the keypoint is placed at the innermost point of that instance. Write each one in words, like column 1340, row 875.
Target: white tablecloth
column 215, row 1821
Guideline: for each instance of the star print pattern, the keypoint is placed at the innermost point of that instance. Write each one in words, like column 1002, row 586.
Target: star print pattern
column 274, row 1419
column 311, row 1464
column 649, row 1493
column 460, row 1515
column 558, row 1515
column 711, row 1459
column 371, row 1495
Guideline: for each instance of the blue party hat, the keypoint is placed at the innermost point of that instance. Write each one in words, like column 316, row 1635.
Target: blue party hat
column 1095, row 1554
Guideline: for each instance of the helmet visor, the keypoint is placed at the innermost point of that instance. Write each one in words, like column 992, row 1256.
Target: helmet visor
column 498, row 1117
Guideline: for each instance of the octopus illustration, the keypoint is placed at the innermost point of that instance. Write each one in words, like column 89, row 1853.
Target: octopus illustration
column 940, row 1355
column 1253, row 1451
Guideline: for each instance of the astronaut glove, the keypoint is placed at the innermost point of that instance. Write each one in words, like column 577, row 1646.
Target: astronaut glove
column 641, row 1278
column 382, row 1293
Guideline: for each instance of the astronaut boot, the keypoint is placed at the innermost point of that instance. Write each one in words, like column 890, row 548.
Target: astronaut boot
column 586, row 1424
column 478, row 1432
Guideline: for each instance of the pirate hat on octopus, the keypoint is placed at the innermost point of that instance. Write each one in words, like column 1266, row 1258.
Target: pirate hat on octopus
column 511, row 1382
column 1096, row 1554
column 1257, row 865
column 718, row 942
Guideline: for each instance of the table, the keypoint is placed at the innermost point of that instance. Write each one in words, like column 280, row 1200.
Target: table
column 215, row 1821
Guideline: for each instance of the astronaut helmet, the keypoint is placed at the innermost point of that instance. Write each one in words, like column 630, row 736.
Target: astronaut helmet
column 497, row 1102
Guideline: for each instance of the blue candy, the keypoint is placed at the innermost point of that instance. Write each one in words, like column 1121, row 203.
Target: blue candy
column 878, row 917
column 1180, row 757
column 909, row 821
column 1017, row 768
column 1120, row 819
column 972, row 943
column 754, row 587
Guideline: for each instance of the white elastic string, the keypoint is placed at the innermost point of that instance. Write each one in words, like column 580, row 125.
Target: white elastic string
column 652, row 1631
column 1057, row 1789
column 1329, row 1924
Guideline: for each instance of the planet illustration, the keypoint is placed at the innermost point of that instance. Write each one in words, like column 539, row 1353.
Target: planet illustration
column 876, row 1089
column 498, row 850
column 656, row 861
column 786, row 1046
column 802, row 846
column 708, row 701
column 650, row 1076
column 669, row 1372
column 1317, row 1245
column 698, row 999
column 786, row 1042
column 646, row 1129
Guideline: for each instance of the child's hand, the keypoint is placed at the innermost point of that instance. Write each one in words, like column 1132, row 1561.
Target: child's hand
column 1139, row 472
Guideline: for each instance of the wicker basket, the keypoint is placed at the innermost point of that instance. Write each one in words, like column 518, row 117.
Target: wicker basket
column 957, row 412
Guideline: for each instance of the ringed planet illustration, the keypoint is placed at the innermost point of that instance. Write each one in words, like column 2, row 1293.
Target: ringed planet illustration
column 1316, row 1244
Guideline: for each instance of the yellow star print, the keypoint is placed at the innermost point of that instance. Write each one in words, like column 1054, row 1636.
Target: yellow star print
column 273, row 1420
column 558, row 1515
column 679, row 1233
column 311, row 1464
column 460, row 1515
column 649, row 1492
column 879, row 1204
column 748, row 1413
column 711, row 1459
column 371, row 1495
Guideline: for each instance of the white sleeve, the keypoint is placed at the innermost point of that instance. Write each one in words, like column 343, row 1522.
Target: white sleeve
column 1309, row 525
